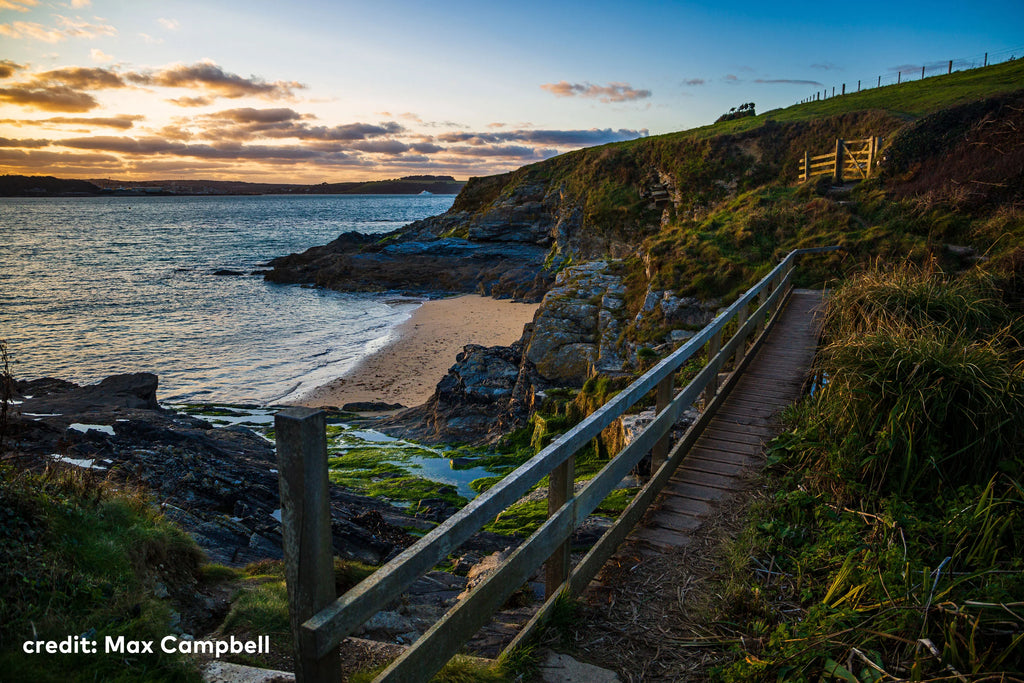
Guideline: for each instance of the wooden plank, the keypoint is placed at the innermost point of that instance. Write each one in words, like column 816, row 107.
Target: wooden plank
column 725, row 451
column 686, row 475
column 718, row 434
column 662, row 538
column 716, row 466
column 697, row 492
column 673, row 521
column 670, row 501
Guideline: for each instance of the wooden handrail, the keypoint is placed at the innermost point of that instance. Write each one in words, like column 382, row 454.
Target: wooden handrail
column 320, row 634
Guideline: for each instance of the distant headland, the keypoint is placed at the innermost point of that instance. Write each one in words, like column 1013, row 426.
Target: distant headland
column 48, row 186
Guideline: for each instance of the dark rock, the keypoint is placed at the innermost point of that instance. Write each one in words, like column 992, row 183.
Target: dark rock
column 370, row 407
column 227, row 272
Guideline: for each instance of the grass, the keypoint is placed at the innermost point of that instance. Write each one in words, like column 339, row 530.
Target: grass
column 260, row 607
column 80, row 557
column 894, row 532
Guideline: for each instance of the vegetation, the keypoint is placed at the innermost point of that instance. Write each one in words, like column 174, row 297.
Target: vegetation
column 80, row 558
column 896, row 531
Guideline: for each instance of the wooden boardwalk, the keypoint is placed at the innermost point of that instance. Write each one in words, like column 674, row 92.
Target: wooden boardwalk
column 730, row 447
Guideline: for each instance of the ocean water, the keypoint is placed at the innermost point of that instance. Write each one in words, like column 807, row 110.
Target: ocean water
column 91, row 287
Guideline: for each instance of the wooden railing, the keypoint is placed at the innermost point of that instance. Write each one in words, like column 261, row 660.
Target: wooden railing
column 851, row 159
column 319, row 622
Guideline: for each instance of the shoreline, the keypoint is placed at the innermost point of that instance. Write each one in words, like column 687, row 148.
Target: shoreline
column 423, row 348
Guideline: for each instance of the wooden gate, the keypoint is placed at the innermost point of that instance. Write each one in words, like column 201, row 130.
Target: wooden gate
column 852, row 159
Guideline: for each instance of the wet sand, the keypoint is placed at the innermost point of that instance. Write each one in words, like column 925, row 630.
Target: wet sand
column 422, row 350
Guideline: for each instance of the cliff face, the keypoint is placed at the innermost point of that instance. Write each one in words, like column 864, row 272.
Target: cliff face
column 631, row 246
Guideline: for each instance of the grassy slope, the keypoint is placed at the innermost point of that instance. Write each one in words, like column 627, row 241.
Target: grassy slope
column 895, row 518
column 735, row 210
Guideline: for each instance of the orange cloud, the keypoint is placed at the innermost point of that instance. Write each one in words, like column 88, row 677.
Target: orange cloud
column 49, row 98
column 613, row 92
column 215, row 81
column 18, row 5
column 9, row 68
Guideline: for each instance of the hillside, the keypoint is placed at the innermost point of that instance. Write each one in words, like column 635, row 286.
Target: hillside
column 632, row 244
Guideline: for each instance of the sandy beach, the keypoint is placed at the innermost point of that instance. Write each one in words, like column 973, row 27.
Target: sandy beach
column 423, row 349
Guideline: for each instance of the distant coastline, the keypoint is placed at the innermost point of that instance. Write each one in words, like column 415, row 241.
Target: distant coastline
column 48, row 186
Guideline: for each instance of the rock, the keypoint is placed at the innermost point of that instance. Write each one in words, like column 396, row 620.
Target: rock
column 227, row 272
column 479, row 572
column 387, row 624
column 219, row 484
column 560, row 668
column 370, row 407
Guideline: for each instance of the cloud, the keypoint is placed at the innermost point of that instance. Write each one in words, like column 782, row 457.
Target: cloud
column 191, row 101
column 558, row 138
column 731, row 78
column 81, row 78
column 215, row 81
column 826, row 66
column 18, row 5
column 49, row 98
column 124, row 121
column 80, row 4
column 694, row 81
column 787, row 81
column 613, row 92
column 9, row 68
column 169, row 24
column 69, row 28
column 32, row 31
column 8, row 142
column 99, row 55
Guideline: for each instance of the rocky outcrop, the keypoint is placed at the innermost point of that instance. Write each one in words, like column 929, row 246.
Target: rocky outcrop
column 577, row 329
column 220, row 484
column 415, row 264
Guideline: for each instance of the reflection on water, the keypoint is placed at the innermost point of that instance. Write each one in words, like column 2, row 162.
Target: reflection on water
column 95, row 286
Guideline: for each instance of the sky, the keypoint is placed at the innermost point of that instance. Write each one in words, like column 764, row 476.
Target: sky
column 330, row 91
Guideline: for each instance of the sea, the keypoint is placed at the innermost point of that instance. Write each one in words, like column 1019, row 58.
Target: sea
column 95, row 286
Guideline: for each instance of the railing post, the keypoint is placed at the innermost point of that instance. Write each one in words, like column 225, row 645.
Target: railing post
column 762, row 296
column 561, row 489
column 714, row 346
column 662, row 399
column 839, row 162
column 807, row 165
column 301, row 437
column 741, row 349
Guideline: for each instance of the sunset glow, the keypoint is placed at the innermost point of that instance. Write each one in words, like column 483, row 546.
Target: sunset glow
column 318, row 91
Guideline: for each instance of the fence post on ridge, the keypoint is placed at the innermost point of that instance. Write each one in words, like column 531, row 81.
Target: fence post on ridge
column 301, row 435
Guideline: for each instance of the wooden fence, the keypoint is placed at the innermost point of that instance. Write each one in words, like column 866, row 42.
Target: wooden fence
column 320, row 622
column 852, row 159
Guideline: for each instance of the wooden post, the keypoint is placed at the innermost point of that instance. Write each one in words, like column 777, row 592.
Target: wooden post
column 561, row 488
column 741, row 349
column 950, row 70
column 714, row 346
column 879, row 81
column 762, row 296
column 922, row 73
column 663, row 398
column 858, row 85
column 844, row 89
column 833, row 91
column 986, row 59
column 899, row 77
column 306, row 533
column 807, row 165
column 839, row 162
